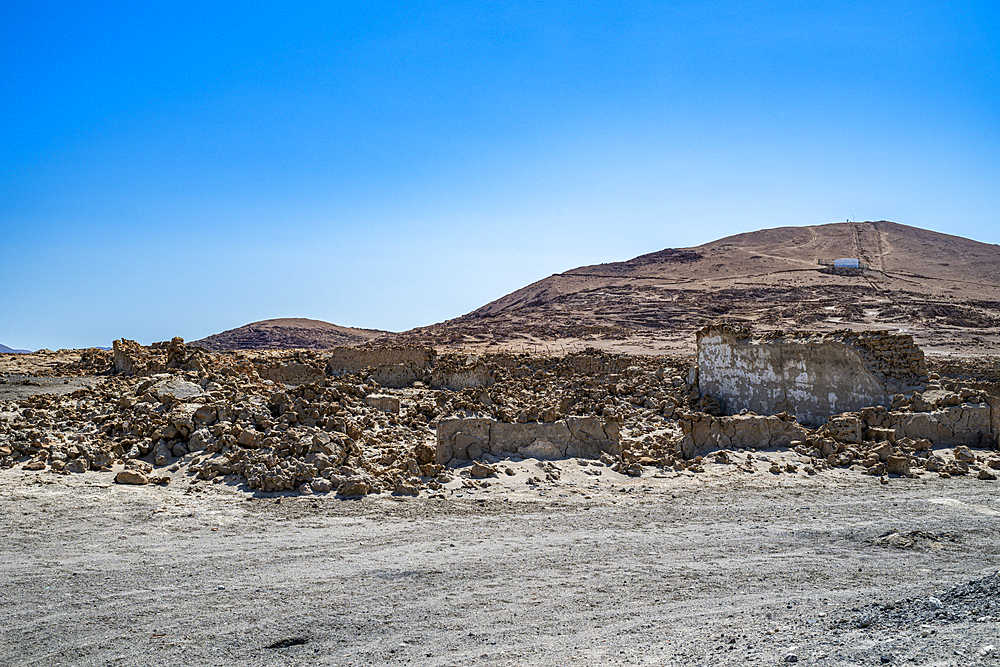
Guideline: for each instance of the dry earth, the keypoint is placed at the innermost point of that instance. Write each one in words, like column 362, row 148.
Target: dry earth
column 675, row 570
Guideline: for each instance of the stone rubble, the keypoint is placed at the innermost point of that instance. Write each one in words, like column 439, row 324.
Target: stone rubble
column 976, row 601
column 312, row 422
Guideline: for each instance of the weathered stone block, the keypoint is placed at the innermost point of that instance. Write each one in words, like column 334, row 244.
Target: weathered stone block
column 174, row 389
column 449, row 428
column 383, row 402
column 704, row 433
column 392, row 367
column 291, row 373
column 584, row 437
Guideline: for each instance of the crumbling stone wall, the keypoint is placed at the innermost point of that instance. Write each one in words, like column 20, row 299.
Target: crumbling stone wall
column 956, row 425
column 291, row 373
column 993, row 401
column 810, row 375
column 584, row 437
column 131, row 358
column 591, row 362
column 945, row 418
column 394, row 367
column 457, row 372
column 704, row 433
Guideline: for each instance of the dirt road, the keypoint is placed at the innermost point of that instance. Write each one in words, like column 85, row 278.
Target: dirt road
column 661, row 571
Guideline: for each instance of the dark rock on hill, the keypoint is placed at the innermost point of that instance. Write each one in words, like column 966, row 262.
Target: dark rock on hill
column 286, row 334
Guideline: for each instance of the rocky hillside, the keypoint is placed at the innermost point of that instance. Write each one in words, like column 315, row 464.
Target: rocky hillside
column 286, row 334
column 943, row 289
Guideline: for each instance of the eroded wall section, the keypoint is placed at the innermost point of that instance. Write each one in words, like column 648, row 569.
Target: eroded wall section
column 584, row 437
column 809, row 375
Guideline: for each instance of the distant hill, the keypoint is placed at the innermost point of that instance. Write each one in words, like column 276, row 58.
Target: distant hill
column 286, row 334
column 943, row 289
column 6, row 350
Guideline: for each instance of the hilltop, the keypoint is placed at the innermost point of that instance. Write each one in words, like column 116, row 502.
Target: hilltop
column 286, row 334
column 941, row 288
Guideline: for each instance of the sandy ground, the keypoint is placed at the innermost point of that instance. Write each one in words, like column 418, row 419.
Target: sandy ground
column 719, row 568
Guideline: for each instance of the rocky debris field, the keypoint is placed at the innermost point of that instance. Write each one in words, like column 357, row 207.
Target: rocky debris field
column 174, row 505
column 215, row 417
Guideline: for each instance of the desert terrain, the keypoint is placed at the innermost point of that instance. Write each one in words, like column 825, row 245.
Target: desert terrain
column 288, row 334
column 942, row 289
column 527, row 484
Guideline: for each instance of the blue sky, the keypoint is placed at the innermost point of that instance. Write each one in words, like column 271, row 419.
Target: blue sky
column 180, row 169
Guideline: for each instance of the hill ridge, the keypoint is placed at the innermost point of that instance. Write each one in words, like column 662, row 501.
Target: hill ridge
column 941, row 287
column 288, row 333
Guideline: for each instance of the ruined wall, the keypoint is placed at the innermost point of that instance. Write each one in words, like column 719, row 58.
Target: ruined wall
column 589, row 362
column 993, row 401
column 812, row 376
column 291, row 373
column 704, row 433
column 583, row 437
column 955, row 425
column 458, row 371
column 131, row 358
column 394, row 367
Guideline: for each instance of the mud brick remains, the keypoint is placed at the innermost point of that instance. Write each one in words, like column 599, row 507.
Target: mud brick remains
column 811, row 375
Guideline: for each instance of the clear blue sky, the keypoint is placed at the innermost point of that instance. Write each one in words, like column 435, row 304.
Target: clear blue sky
column 184, row 168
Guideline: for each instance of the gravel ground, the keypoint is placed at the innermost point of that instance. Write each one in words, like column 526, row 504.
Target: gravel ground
column 837, row 569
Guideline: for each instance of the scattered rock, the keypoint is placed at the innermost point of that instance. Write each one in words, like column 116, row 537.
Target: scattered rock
column 481, row 470
column 131, row 477
column 354, row 487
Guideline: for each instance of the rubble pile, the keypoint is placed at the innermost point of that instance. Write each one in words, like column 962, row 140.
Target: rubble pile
column 975, row 601
column 901, row 441
column 321, row 422
column 277, row 422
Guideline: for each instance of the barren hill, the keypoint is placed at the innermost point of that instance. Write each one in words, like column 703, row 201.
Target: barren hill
column 288, row 333
column 7, row 350
column 944, row 289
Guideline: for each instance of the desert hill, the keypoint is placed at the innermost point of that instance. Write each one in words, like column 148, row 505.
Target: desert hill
column 7, row 350
column 288, row 333
column 944, row 289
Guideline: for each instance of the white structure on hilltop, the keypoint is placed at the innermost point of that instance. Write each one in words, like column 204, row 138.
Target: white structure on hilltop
column 844, row 263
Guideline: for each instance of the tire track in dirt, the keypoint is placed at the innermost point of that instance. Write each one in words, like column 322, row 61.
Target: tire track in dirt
column 856, row 234
column 884, row 247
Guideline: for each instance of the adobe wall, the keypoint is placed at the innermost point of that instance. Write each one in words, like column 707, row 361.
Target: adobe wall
column 974, row 424
column 588, row 362
column 458, row 371
column 583, row 437
column 955, row 425
column 810, row 375
column 291, row 373
column 394, row 367
column 704, row 433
